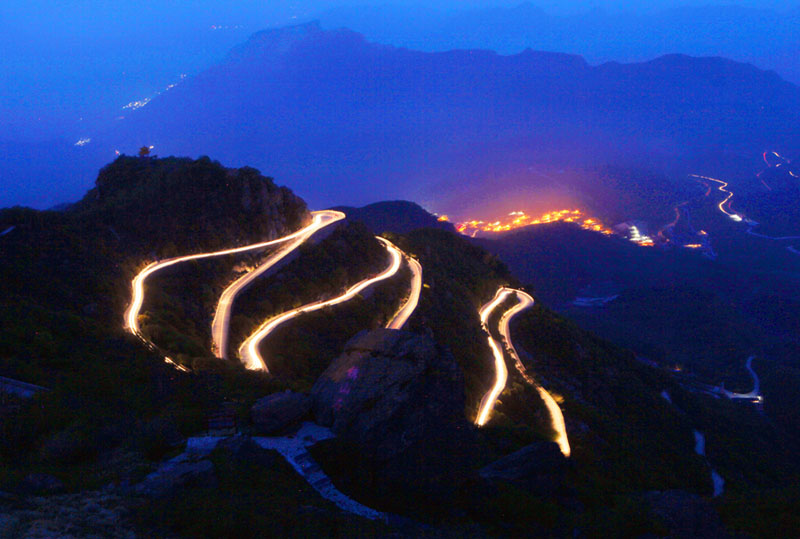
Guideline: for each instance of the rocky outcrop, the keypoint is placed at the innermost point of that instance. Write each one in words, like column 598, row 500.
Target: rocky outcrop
column 538, row 467
column 399, row 399
column 388, row 390
column 275, row 413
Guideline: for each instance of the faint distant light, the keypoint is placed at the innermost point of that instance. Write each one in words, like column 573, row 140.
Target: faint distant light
column 133, row 105
column 443, row 218
column 83, row 141
column 116, row 152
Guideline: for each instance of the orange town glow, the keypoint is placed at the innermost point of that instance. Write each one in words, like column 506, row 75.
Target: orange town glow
column 519, row 219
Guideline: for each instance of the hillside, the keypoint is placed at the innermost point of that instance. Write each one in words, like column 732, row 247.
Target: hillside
column 406, row 443
column 398, row 216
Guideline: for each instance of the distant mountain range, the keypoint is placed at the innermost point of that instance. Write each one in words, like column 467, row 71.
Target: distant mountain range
column 764, row 37
column 397, row 216
column 346, row 121
column 343, row 120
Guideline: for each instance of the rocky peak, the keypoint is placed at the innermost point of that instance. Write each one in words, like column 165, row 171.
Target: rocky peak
column 389, row 390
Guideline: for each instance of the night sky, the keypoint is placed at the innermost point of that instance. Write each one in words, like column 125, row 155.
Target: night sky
column 69, row 67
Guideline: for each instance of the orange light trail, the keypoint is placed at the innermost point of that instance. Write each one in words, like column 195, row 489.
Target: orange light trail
column 721, row 188
column 248, row 351
column 524, row 301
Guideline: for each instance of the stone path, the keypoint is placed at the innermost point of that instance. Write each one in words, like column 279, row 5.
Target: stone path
column 294, row 449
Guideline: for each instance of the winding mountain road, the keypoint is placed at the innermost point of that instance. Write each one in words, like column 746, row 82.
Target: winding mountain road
column 524, row 301
column 221, row 324
column 248, row 351
column 722, row 188
column 501, row 372
column 321, row 219
column 751, row 395
column 407, row 309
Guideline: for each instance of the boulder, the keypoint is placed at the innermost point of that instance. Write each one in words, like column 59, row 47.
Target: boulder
column 399, row 398
column 538, row 467
column 275, row 413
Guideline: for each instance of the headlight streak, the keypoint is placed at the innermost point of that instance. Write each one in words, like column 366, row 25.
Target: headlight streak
column 320, row 219
column 501, row 372
column 220, row 325
column 722, row 204
column 248, row 351
column 525, row 301
column 407, row 309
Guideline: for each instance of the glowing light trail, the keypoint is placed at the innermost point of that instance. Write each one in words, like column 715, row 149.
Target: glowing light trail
column 405, row 312
column 721, row 188
column 556, row 416
column 222, row 316
column 755, row 394
column 248, row 351
column 501, row 372
column 320, row 220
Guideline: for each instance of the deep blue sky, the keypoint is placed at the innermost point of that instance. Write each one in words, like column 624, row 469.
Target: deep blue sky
column 63, row 60
column 67, row 67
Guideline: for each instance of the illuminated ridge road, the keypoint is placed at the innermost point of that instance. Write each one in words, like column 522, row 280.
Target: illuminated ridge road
column 221, row 324
column 248, row 351
column 404, row 313
column 525, row 301
column 752, row 224
column 320, row 220
column 556, row 417
column 501, row 372
column 755, row 394
column 722, row 204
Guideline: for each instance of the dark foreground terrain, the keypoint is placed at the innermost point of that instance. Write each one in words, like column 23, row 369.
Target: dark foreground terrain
column 79, row 451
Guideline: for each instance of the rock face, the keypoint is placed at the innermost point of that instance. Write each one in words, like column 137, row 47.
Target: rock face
column 387, row 391
column 398, row 398
column 276, row 412
column 538, row 467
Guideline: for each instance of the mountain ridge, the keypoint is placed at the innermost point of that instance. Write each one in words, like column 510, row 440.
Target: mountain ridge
column 331, row 106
